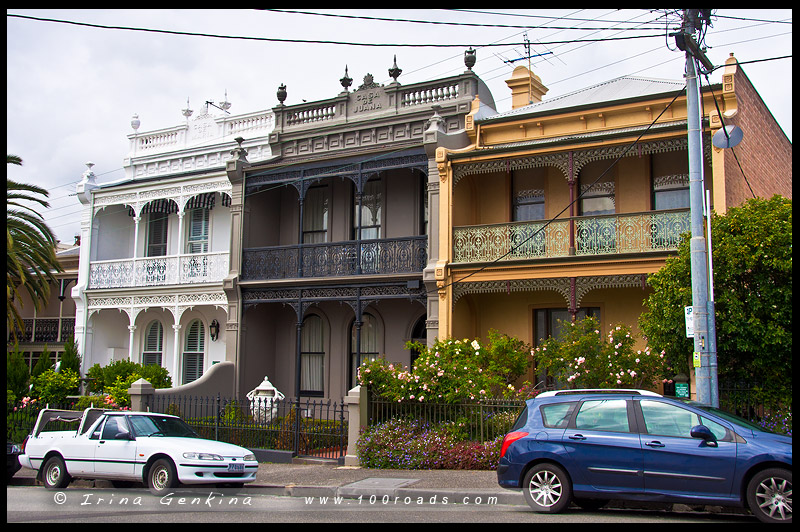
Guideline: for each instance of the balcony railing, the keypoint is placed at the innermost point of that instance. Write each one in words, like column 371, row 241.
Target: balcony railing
column 334, row 259
column 49, row 330
column 159, row 271
column 594, row 235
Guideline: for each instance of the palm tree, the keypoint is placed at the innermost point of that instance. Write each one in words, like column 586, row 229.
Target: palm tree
column 31, row 259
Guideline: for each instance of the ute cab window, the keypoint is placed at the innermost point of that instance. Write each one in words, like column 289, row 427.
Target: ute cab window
column 114, row 427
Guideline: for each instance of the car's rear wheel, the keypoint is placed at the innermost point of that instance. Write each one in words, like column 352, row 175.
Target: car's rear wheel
column 547, row 488
column 54, row 474
column 769, row 495
column 162, row 477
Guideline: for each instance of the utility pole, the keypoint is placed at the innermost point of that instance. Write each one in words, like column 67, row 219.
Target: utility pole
column 702, row 359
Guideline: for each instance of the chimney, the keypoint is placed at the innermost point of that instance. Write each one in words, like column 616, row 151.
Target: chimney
column 526, row 87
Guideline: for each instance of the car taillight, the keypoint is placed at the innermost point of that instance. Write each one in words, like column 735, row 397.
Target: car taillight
column 510, row 438
column 22, row 445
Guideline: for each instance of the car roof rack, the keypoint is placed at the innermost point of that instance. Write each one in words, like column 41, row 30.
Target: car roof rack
column 626, row 391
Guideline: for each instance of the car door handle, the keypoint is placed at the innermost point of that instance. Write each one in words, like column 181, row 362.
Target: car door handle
column 578, row 437
column 654, row 444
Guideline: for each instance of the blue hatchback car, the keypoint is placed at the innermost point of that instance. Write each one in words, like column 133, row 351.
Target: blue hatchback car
column 592, row 446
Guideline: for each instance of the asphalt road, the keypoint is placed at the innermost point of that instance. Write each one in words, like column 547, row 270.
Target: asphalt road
column 33, row 504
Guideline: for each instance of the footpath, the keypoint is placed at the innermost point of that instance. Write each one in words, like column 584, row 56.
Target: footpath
column 318, row 478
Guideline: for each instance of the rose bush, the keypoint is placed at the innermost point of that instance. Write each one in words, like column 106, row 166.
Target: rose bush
column 451, row 371
column 582, row 357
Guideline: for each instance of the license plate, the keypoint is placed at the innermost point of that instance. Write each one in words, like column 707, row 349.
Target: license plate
column 236, row 468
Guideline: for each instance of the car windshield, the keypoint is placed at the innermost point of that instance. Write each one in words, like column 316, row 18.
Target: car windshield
column 731, row 417
column 161, row 426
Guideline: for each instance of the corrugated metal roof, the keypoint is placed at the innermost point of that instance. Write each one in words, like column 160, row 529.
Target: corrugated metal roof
column 623, row 88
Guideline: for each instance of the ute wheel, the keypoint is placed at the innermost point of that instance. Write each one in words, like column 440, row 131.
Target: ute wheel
column 162, row 477
column 547, row 488
column 769, row 495
column 54, row 474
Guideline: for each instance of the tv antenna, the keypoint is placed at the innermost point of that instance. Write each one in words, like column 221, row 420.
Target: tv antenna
column 528, row 56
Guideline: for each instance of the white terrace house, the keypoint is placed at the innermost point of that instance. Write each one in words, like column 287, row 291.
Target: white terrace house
column 156, row 245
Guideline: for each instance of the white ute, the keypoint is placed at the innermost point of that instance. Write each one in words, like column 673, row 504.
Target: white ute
column 126, row 447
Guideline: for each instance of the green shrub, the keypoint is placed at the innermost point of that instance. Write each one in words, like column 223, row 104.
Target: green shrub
column 70, row 359
column 17, row 374
column 52, row 387
column 106, row 376
column 43, row 364
column 451, row 371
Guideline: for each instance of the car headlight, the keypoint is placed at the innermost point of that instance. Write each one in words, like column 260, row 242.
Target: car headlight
column 249, row 458
column 202, row 456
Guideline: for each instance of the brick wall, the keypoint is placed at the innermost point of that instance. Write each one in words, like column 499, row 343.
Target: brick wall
column 765, row 152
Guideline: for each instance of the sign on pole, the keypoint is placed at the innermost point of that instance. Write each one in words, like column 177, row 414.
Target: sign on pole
column 689, row 318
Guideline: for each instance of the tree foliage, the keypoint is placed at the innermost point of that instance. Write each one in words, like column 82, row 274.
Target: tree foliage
column 30, row 247
column 752, row 258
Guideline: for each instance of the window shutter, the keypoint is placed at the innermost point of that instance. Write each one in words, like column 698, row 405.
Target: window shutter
column 157, row 234
column 153, row 344
column 197, row 241
column 193, row 352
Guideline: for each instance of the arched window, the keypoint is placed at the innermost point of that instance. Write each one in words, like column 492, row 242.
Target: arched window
column 370, row 345
column 194, row 351
column 153, row 344
column 312, row 356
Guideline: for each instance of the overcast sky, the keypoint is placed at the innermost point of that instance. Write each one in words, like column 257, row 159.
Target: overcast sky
column 72, row 90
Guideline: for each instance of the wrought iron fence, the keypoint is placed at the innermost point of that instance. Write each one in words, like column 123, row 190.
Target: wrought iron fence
column 320, row 429
column 476, row 421
column 21, row 418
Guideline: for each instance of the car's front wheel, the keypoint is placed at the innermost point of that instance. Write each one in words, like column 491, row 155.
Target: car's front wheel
column 54, row 474
column 769, row 495
column 547, row 488
column 162, row 477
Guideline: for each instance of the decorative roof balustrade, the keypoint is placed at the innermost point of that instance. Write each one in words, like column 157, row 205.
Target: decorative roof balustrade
column 202, row 143
column 372, row 100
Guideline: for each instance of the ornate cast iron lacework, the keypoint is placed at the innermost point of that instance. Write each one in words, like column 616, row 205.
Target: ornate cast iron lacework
column 562, row 285
column 594, row 235
column 301, row 299
column 334, row 259
column 358, row 172
column 561, row 159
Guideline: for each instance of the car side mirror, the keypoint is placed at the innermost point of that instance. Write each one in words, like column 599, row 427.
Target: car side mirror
column 704, row 433
column 124, row 435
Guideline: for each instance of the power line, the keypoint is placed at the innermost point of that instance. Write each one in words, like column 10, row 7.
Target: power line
column 443, row 23
column 754, row 19
column 538, row 16
column 308, row 41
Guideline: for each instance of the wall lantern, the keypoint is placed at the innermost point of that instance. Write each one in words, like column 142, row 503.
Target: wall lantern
column 213, row 329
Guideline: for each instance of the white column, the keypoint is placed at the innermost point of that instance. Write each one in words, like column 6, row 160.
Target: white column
column 176, row 350
column 136, row 220
column 131, row 330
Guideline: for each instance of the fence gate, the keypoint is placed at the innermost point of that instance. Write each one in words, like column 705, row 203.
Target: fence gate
column 319, row 431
